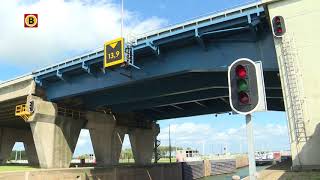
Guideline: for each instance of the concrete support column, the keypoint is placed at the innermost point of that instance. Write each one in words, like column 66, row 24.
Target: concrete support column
column 142, row 143
column 7, row 141
column 30, row 149
column 55, row 136
column 9, row 136
column 106, row 138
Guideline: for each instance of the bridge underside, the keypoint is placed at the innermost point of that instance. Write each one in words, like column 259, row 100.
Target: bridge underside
column 184, row 94
column 7, row 114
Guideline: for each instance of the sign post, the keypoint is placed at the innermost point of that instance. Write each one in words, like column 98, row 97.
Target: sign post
column 247, row 95
column 251, row 156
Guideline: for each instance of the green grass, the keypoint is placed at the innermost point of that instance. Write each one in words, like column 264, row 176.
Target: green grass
column 15, row 168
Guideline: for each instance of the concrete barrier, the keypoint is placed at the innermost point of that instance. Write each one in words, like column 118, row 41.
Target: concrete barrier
column 223, row 166
column 174, row 171
column 193, row 170
column 124, row 172
column 242, row 161
column 207, row 168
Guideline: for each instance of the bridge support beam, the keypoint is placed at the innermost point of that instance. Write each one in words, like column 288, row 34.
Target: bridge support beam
column 55, row 136
column 106, row 137
column 142, row 143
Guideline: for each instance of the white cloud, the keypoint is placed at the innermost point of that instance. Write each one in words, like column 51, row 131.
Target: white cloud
column 271, row 136
column 65, row 28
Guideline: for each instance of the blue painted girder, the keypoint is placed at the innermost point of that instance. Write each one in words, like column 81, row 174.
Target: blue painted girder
column 247, row 17
column 217, row 57
column 181, row 73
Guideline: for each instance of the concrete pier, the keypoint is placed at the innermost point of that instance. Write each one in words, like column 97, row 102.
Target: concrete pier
column 30, row 148
column 7, row 139
column 142, row 143
column 106, row 138
column 55, row 136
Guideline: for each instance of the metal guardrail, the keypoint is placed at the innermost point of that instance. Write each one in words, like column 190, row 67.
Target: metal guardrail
column 204, row 18
column 14, row 79
column 74, row 114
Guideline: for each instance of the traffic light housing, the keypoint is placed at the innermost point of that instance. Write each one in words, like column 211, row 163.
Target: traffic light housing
column 31, row 106
column 278, row 26
column 243, row 86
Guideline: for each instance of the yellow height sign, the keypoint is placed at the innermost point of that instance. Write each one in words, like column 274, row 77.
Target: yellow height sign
column 114, row 52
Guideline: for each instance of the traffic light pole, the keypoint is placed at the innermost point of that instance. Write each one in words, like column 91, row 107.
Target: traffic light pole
column 251, row 156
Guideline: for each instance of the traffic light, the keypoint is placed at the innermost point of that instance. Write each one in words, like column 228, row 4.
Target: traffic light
column 243, row 86
column 30, row 106
column 278, row 26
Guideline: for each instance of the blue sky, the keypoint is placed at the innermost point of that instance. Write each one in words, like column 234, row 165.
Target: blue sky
column 81, row 25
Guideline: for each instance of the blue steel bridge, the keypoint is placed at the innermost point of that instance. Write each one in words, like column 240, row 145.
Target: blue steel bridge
column 183, row 70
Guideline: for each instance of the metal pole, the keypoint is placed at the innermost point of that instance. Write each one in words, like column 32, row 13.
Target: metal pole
column 155, row 150
column 121, row 18
column 169, row 143
column 251, row 156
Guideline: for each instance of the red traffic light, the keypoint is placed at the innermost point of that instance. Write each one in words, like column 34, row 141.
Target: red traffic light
column 278, row 26
column 243, row 98
column 241, row 71
column 277, row 20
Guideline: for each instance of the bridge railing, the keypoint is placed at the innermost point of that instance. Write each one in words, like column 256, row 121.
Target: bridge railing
column 198, row 20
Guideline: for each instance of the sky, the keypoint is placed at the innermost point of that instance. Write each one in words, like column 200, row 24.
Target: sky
column 71, row 27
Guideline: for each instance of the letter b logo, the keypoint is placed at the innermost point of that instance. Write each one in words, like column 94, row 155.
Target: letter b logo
column 31, row 20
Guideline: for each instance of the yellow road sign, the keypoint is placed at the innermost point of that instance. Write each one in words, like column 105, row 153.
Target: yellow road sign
column 114, row 52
